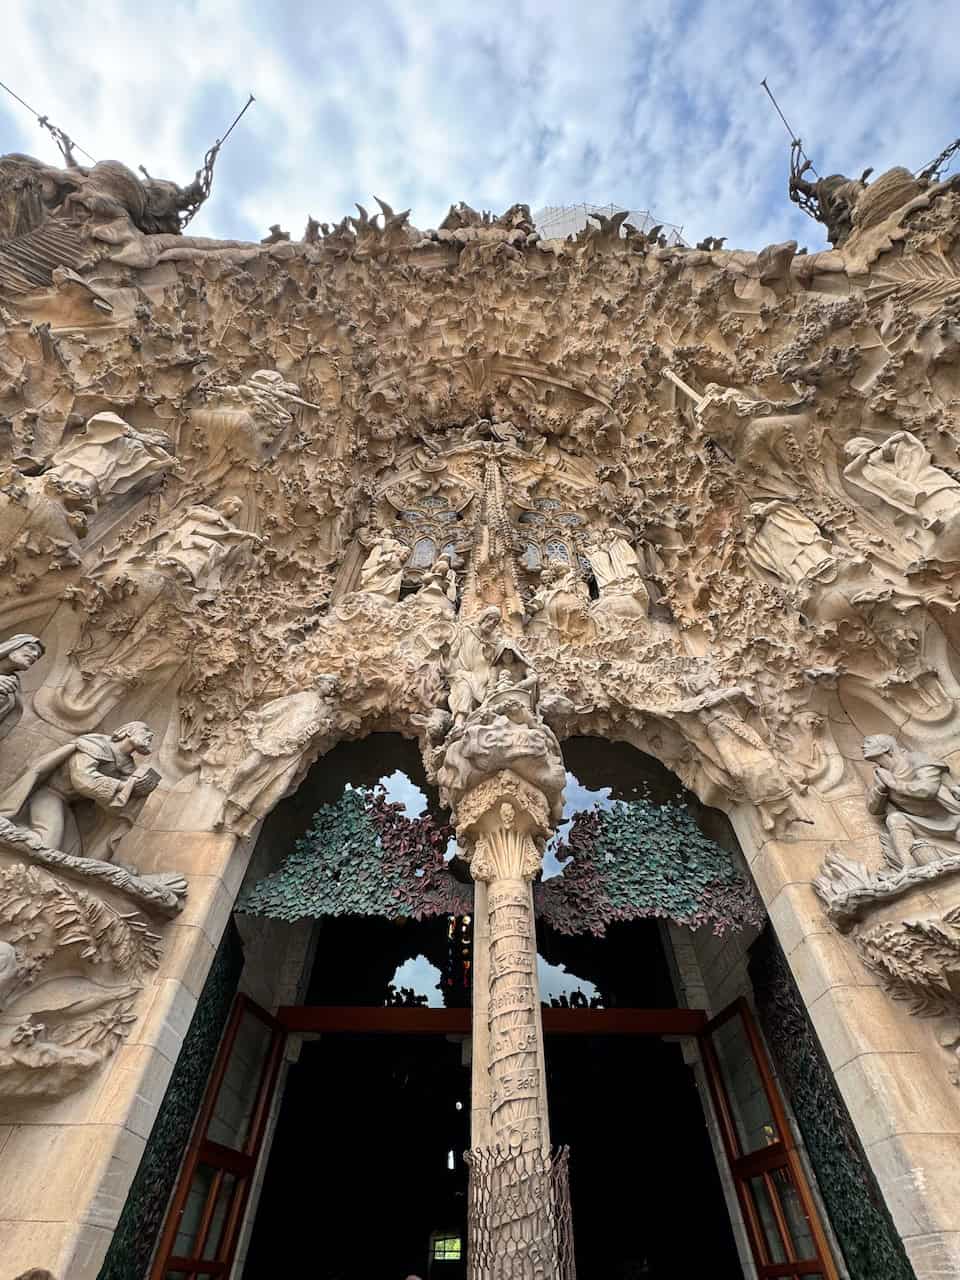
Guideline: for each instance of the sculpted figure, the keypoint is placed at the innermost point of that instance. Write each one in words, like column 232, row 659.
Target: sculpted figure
column 16, row 655
column 277, row 735
column 899, row 475
column 613, row 560
column 203, row 541
column 97, row 767
column 831, row 200
column 475, row 656
column 500, row 429
column 108, row 457
column 787, row 544
column 560, row 604
column 104, row 192
column 245, row 422
column 439, row 590
column 761, row 435
column 34, row 521
column 917, row 800
column 382, row 572
column 616, row 569
column 748, row 768
column 512, row 737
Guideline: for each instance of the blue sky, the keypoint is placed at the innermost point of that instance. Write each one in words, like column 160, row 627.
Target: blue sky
column 647, row 104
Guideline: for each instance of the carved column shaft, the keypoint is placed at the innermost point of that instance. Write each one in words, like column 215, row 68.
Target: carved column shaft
column 518, row 1103
column 510, row 1130
column 504, row 858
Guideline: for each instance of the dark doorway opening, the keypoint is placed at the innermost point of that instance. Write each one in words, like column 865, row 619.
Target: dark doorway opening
column 646, row 1196
column 366, row 1177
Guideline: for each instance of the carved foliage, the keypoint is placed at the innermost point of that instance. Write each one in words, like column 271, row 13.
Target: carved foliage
column 638, row 860
column 74, row 965
column 362, row 856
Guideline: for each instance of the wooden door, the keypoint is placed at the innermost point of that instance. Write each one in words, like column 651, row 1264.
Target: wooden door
column 206, row 1211
column 785, row 1231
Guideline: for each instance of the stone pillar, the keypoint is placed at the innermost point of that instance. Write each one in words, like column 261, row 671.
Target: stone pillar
column 499, row 822
column 502, row 775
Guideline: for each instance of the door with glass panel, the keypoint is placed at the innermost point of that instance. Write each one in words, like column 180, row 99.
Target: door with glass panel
column 784, row 1227
column 206, row 1212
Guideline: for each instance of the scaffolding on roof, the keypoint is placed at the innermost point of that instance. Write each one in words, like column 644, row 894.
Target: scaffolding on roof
column 557, row 221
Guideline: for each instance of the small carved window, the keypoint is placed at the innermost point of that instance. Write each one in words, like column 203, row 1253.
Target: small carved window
column 557, row 551
column 531, row 557
column 424, row 553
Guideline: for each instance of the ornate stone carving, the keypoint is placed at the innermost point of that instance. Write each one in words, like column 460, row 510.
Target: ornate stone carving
column 919, row 804
column 439, row 590
column 17, row 654
column 503, row 733
column 96, row 767
column 276, row 737
column 897, row 475
column 201, row 543
column 382, row 572
column 109, row 457
column 502, row 774
column 103, row 192
column 737, row 758
column 788, row 545
column 479, row 655
column 560, row 606
column 437, row 438
column 72, row 965
column 917, row 958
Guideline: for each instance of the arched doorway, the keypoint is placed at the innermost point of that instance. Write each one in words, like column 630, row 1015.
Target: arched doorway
column 360, row 1170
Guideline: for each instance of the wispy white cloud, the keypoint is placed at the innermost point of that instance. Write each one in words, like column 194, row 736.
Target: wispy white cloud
column 650, row 104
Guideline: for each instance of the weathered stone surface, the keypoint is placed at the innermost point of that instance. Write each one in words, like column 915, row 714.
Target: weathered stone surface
column 491, row 492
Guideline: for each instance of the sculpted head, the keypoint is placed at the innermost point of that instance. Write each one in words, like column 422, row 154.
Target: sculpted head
column 20, row 652
column 230, row 507
column 488, row 619
column 137, row 735
column 877, row 745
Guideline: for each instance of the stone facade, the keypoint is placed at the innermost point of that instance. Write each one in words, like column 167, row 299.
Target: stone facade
column 488, row 491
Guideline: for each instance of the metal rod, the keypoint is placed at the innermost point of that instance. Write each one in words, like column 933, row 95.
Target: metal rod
column 786, row 123
column 44, row 121
column 237, row 120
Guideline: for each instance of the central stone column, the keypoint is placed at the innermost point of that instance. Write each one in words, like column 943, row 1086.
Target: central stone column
column 503, row 777
column 499, row 823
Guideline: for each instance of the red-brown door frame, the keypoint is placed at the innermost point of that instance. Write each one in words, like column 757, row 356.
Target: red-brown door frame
column 781, row 1154
column 202, row 1150
column 364, row 1019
